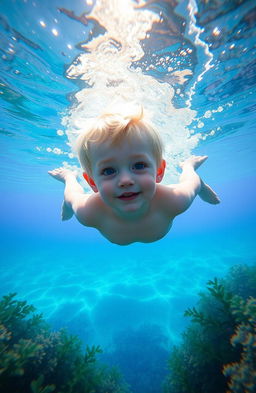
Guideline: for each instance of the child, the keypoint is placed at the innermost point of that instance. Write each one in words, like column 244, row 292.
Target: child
column 122, row 159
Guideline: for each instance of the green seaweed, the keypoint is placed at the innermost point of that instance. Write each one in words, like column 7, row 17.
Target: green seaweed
column 242, row 374
column 217, row 352
column 36, row 386
column 37, row 360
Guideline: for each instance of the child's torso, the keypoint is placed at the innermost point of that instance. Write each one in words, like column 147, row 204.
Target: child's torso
column 146, row 230
column 149, row 228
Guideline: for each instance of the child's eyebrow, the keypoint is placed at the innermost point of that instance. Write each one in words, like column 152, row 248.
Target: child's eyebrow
column 104, row 162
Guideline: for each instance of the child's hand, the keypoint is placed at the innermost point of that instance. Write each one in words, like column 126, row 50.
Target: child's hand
column 61, row 174
column 194, row 161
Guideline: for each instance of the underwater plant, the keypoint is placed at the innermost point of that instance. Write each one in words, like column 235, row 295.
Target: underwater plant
column 37, row 360
column 242, row 374
column 217, row 353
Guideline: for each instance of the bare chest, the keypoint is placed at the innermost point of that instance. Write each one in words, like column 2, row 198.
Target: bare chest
column 146, row 230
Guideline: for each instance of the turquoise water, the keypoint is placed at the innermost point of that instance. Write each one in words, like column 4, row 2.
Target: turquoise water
column 70, row 273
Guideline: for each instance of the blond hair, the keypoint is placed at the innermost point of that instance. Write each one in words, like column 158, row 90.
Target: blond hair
column 115, row 126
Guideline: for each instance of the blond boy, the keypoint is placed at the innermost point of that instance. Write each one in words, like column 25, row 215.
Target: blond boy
column 121, row 156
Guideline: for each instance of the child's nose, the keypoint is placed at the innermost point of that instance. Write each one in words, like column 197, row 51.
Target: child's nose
column 125, row 180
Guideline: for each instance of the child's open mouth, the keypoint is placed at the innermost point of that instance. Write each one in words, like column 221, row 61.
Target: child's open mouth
column 128, row 196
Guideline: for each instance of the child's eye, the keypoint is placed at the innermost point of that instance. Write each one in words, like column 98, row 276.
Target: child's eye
column 139, row 165
column 108, row 171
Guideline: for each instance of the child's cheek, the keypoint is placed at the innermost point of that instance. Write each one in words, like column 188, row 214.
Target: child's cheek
column 149, row 185
column 107, row 188
column 149, row 181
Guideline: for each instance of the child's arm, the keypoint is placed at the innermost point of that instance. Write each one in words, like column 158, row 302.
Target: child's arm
column 75, row 200
column 190, row 185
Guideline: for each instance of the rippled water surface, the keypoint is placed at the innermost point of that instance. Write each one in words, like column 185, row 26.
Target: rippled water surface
column 193, row 66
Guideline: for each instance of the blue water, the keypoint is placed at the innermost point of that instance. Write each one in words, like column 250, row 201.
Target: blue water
column 72, row 275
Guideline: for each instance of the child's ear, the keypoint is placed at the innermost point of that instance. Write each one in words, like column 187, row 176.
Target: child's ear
column 90, row 181
column 160, row 171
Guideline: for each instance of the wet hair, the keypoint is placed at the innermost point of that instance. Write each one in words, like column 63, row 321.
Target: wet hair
column 116, row 126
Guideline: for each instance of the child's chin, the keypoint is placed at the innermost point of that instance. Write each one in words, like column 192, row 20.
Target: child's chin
column 132, row 208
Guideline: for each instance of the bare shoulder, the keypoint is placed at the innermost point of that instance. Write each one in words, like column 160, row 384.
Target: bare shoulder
column 172, row 199
column 167, row 193
column 88, row 209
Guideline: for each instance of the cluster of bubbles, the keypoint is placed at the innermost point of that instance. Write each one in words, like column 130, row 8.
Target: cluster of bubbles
column 107, row 69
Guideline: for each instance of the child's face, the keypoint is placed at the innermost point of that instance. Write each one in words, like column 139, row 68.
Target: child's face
column 125, row 175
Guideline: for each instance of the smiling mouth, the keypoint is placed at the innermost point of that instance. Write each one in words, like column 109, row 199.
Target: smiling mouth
column 127, row 196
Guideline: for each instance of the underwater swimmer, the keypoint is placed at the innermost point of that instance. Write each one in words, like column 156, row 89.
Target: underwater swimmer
column 121, row 156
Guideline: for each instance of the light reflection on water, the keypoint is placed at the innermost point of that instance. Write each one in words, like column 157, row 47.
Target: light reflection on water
column 108, row 69
column 191, row 64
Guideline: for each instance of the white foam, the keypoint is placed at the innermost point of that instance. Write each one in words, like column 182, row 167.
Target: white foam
column 106, row 68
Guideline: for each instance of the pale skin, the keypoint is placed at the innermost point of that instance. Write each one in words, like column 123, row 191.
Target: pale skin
column 128, row 204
